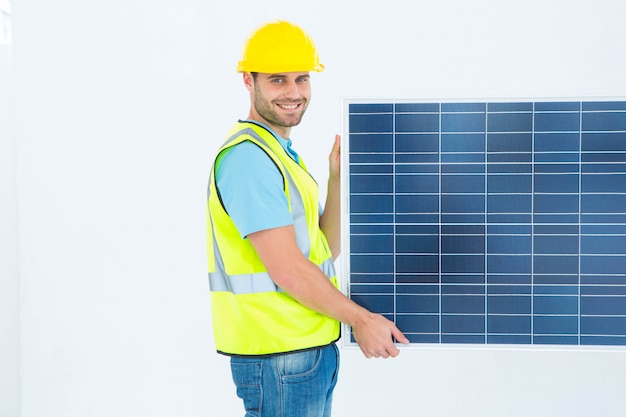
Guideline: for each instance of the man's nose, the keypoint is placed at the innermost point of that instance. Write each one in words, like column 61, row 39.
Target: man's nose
column 292, row 90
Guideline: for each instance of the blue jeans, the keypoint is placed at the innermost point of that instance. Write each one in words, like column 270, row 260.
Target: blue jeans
column 289, row 385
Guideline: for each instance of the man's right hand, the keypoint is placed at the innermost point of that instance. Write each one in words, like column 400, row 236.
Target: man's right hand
column 375, row 335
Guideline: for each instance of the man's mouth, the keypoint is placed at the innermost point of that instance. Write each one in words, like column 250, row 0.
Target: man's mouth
column 288, row 106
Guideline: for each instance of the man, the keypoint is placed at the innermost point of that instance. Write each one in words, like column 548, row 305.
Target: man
column 275, row 301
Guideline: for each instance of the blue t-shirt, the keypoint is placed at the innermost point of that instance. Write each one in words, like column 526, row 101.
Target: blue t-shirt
column 251, row 187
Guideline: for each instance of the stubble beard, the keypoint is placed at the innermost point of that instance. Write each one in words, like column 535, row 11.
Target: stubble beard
column 264, row 109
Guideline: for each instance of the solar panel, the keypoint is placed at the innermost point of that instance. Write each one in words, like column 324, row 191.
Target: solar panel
column 489, row 222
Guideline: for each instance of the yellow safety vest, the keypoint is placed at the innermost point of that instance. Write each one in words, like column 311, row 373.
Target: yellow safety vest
column 251, row 315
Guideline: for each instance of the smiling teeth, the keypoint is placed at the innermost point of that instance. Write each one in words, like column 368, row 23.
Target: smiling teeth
column 285, row 106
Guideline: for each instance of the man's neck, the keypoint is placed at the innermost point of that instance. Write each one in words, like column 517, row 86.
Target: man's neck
column 283, row 132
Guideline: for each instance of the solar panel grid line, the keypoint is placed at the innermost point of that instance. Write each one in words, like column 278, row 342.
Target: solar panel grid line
column 439, row 220
column 393, row 144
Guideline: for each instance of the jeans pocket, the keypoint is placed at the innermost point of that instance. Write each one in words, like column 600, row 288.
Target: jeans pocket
column 247, row 377
column 301, row 366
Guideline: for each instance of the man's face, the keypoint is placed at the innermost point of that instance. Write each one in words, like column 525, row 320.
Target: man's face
column 279, row 100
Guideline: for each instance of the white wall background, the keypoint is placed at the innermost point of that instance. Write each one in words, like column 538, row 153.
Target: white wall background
column 9, row 265
column 119, row 107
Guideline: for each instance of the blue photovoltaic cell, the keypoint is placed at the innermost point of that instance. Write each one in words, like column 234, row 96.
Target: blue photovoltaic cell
column 490, row 223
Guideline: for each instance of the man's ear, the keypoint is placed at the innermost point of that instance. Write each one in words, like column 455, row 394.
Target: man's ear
column 248, row 81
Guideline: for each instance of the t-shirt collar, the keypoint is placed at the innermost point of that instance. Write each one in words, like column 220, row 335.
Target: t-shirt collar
column 285, row 143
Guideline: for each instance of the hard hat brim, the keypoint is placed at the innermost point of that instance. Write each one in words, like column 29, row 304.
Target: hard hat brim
column 275, row 69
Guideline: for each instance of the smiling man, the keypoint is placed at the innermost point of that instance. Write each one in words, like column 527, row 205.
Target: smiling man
column 276, row 305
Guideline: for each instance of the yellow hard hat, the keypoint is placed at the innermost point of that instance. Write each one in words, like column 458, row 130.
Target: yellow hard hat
column 279, row 47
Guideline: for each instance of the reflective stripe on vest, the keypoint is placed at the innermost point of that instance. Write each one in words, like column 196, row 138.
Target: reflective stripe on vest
column 254, row 283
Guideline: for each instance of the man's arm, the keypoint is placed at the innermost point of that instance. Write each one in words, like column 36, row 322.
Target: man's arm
column 306, row 283
column 330, row 221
